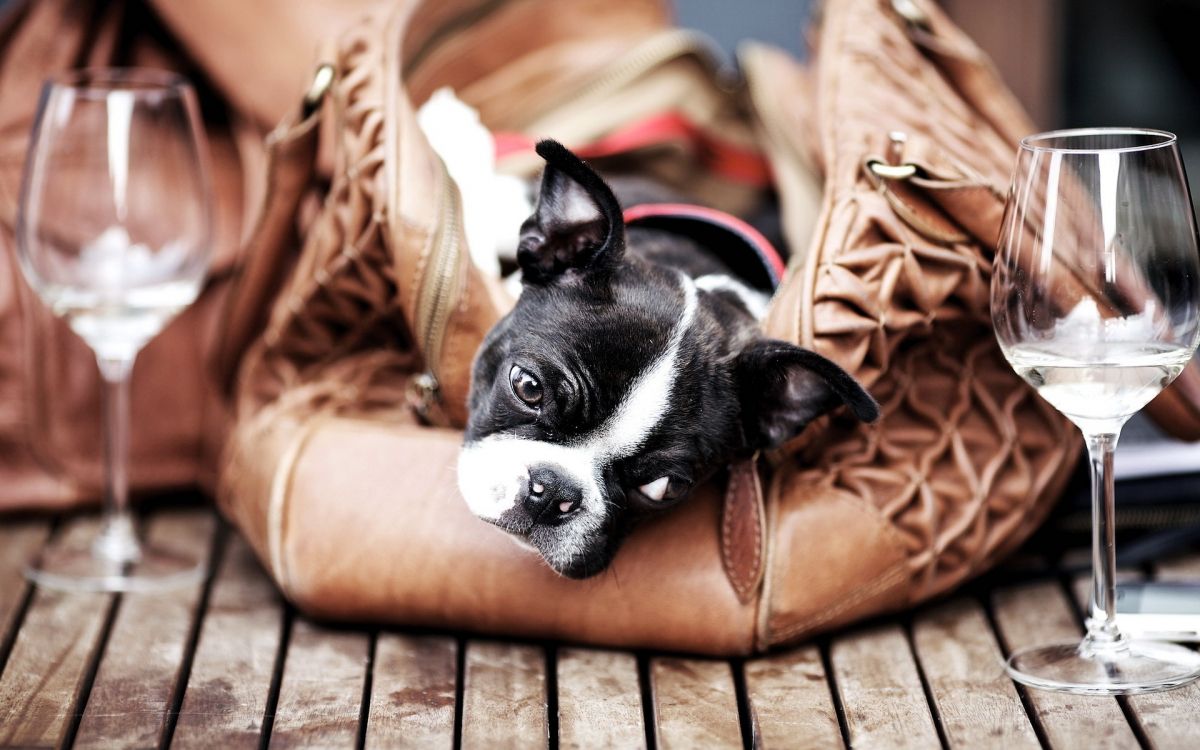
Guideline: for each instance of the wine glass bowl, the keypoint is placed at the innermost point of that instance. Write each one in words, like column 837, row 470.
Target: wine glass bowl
column 114, row 233
column 115, row 207
column 1096, row 304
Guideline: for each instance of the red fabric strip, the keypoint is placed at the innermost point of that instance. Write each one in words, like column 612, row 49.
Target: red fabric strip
column 721, row 157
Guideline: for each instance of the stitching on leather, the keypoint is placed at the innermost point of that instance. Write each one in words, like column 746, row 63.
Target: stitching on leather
column 280, row 494
column 762, row 614
column 731, row 571
column 741, row 481
column 756, row 568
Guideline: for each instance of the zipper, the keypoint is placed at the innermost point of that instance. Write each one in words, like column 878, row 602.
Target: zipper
column 436, row 297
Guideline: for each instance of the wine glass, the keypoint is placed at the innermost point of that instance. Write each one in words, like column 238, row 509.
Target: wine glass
column 1095, row 296
column 114, row 234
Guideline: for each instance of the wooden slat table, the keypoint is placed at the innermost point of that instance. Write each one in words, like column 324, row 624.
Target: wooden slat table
column 227, row 664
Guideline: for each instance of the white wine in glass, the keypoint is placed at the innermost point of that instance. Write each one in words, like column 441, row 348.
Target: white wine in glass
column 114, row 234
column 1096, row 304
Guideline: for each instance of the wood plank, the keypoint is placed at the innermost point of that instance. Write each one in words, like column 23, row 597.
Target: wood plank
column 50, row 657
column 19, row 542
column 412, row 692
column 1040, row 614
column 790, row 703
column 599, row 699
column 1168, row 719
column 135, row 683
column 227, row 689
column 880, row 690
column 695, row 704
column 504, row 696
column 320, row 696
column 974, row 697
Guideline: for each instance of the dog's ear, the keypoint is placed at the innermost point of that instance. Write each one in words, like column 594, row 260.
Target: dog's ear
column 781, row 388
column 576, row 228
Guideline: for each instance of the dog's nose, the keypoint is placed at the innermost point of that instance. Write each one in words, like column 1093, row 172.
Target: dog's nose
column 550, row 496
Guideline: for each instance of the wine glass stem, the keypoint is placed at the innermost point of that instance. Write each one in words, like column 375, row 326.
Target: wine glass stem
column 117, row 540
column 1102, row 628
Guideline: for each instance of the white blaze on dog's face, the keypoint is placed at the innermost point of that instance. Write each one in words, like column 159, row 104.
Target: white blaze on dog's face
column 516, row 480
column 616, row 384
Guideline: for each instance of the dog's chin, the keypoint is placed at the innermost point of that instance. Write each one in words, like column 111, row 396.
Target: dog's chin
column 568, row 555
column 578, row 548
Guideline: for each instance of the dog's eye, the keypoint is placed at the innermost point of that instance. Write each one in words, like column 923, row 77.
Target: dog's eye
column 525, row 386
column 656, row 490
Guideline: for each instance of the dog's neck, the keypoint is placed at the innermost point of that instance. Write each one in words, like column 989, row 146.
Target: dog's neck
column 723, row 255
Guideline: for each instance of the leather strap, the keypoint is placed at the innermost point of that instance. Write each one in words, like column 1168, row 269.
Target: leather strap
column 743, row 530
column 937, row 199
column 959, row 59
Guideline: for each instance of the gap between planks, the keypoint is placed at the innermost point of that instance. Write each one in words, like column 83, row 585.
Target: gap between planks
column 53, row 653
column 134, row 688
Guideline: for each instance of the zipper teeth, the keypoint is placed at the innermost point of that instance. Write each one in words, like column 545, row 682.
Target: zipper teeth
column 648, row 55
column 436, row 299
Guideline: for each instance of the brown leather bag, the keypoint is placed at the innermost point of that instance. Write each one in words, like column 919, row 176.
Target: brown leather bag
column 889, row 154
column 50, row 446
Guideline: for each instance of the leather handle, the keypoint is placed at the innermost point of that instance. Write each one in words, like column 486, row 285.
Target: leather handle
column 964, row 65
column 291, row 163
column 946, row 202
column 744, row 530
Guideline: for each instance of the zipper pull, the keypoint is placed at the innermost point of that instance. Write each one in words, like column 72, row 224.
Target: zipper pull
column 425, row 397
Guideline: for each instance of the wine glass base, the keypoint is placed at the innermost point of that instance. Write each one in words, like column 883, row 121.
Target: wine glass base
column 1137, row 666
column 78, row 568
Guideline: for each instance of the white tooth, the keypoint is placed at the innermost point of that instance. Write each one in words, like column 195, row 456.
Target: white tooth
column 564, row 506
column 656, row 489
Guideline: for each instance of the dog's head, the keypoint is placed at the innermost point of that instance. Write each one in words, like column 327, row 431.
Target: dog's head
column 615, row 385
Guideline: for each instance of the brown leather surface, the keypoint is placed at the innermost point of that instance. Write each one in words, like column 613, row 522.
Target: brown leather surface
column 259, row 54
column 965, row 459
column 291, row 160
column 744, row 529
column 345, row 545
column 351, row 502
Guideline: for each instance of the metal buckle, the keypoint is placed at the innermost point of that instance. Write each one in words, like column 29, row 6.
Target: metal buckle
column 912, row 14
column 322, row 81
column 885, row 171
column 893, row 168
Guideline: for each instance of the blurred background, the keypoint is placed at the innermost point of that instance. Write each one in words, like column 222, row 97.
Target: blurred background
column 1072, row 63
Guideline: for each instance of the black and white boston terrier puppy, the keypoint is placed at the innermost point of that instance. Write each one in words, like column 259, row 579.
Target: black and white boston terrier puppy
column 631, row 368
